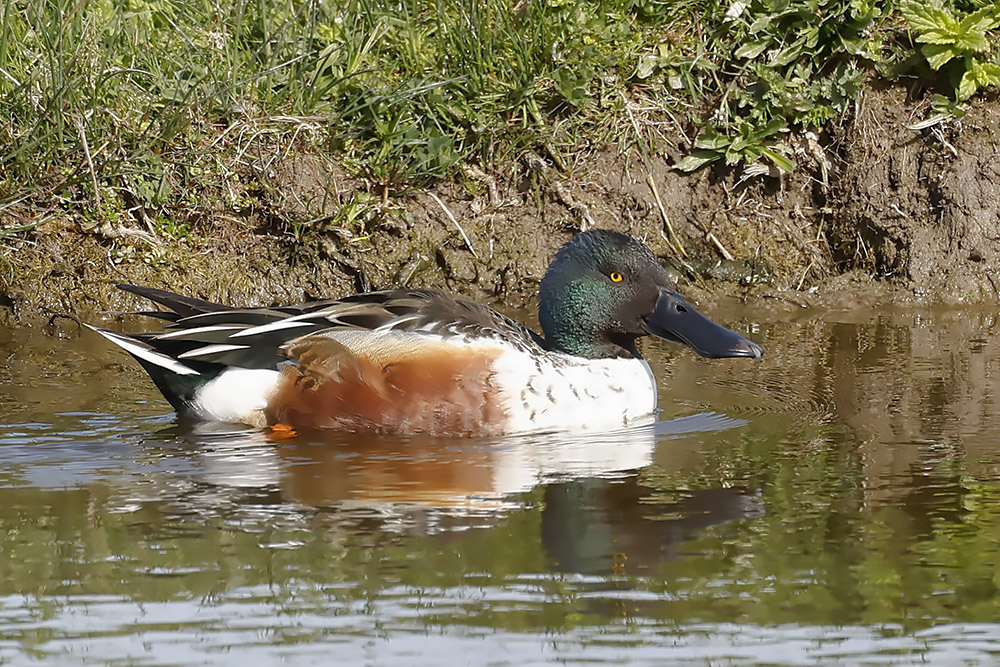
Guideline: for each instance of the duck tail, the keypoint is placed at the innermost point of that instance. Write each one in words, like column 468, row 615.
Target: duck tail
column 177, row 381
column 180, row 306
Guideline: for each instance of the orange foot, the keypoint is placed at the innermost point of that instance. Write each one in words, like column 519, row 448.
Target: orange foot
column 282, row 431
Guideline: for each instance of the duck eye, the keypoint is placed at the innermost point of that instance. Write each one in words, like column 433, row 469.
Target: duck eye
column 616, row 277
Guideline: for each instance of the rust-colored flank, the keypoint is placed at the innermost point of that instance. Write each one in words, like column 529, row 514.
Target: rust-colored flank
column 439, row 389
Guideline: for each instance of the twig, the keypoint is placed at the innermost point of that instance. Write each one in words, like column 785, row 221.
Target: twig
column 556, row 160
column 805, row 273
column 90, row 161
column 992, row 282
column 477, row 174
column 631, row 116
column 666, row 220
column 718, row 244
column 451, row 217
column 578, row 209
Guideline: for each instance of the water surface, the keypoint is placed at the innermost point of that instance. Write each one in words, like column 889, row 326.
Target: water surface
column 836, row 502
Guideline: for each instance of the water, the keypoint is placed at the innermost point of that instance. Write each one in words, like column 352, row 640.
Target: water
column 837, row 502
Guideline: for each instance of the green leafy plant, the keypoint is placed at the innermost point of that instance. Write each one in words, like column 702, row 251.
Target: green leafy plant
column 787, row 64
column 747, row 145
column 143, row 97
column 801, row 59
column 959, row 46
column 683, row 73
column 942, row 109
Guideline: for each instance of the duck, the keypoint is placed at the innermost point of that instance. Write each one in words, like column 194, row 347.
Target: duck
column 421, row 361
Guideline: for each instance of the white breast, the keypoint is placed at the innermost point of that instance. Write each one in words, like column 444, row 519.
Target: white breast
column 559, row 391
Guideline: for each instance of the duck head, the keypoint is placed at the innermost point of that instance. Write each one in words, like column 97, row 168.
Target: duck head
column 604, row 290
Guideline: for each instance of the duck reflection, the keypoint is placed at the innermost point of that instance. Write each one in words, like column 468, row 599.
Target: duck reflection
column 420, row 471
column 599, row 526
column 594, row 508
column 423, row 471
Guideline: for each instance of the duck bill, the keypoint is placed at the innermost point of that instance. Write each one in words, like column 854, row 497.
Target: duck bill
column 677, row 320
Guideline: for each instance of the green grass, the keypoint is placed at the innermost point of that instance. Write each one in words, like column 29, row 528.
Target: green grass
column 132, row 107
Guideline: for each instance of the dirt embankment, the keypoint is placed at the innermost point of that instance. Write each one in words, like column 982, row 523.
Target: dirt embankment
column 874, row 210
column 920, row 208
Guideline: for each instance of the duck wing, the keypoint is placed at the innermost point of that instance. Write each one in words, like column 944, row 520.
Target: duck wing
column 202, row 332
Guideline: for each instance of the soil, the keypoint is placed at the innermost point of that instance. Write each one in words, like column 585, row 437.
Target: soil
column 920, row 208
column 874, row 211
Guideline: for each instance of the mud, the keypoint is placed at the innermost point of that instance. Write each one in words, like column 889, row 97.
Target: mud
column 874, row 212
column 920, row 208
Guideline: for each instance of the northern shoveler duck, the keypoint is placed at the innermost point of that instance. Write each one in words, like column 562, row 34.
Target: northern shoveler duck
column 418, row 360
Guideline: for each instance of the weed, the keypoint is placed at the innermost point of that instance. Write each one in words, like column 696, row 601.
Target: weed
column 160, row 102
column 958, row 47
column 781, row 65
column 745, row 147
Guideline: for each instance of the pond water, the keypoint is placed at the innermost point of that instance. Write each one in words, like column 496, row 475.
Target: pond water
column 836, row 502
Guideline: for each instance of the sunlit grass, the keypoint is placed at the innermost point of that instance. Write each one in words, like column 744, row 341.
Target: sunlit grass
column 112, row 101
column 131, row 106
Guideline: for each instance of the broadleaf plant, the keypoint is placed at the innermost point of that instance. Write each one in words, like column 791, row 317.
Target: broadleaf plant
column 795, row 65
column 746, row 146
column 960, row 45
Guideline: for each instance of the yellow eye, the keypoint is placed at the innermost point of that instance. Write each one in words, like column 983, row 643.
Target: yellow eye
column 616, row 277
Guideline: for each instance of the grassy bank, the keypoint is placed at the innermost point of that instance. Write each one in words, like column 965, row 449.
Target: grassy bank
column 153, row 110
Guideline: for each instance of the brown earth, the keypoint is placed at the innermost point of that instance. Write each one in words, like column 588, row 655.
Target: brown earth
column 920, row 208
column 874, row 211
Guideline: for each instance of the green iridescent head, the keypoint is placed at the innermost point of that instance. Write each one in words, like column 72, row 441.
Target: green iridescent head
column 605, row 289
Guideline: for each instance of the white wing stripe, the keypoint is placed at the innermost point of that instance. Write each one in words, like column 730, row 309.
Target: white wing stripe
column 272, row 326
column 146, row 353
column 199, row 330
column 210, row 349
column 397, row 321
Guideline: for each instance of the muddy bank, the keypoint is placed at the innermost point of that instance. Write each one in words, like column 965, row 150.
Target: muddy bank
column 874, row 211
column 920, row 208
